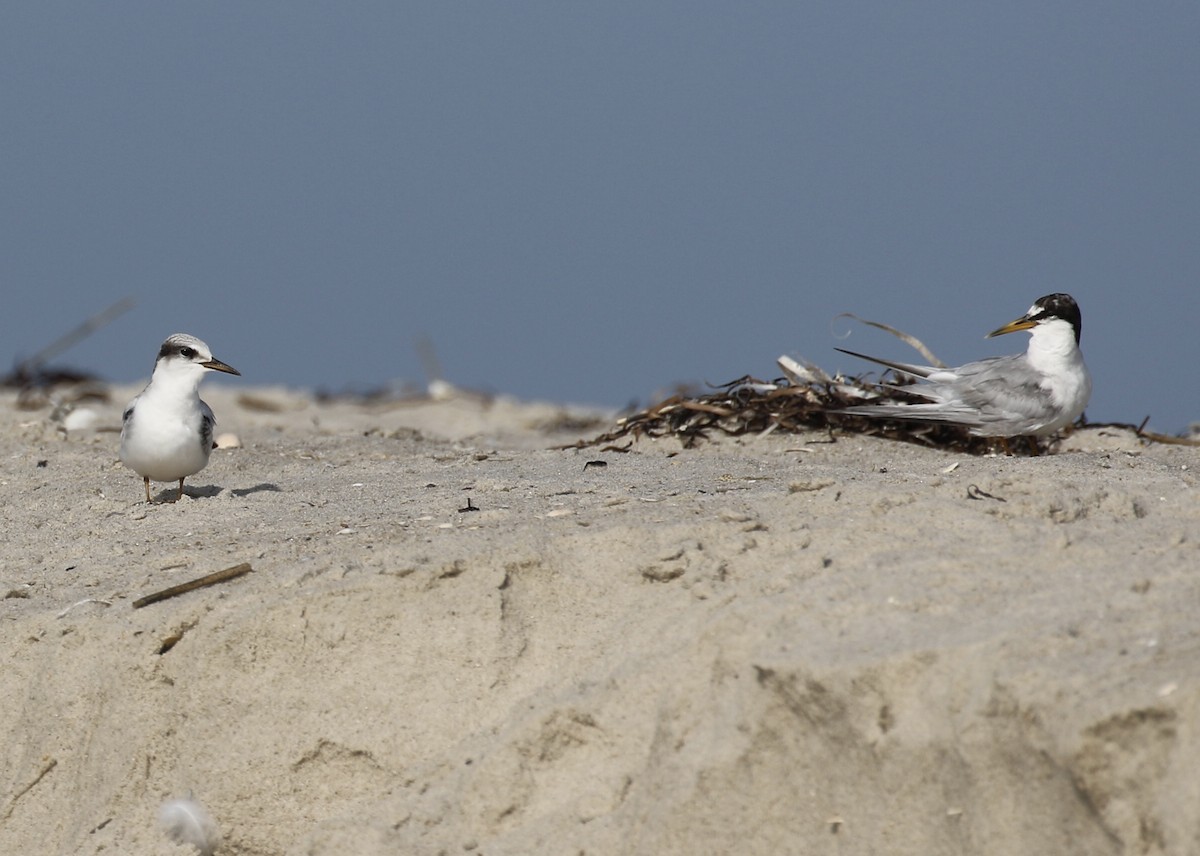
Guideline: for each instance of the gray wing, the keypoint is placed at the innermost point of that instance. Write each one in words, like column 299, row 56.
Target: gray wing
column 207, row 421
column 1005, row 389
column 907, row 368
column 1000, row 391
column 958, row 415
column 127, row 418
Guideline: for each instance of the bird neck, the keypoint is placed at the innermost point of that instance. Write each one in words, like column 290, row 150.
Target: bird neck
column 1052, row 343
column 167, row 384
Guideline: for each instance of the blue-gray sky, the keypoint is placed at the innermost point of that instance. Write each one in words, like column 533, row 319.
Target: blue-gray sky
column 591, row 202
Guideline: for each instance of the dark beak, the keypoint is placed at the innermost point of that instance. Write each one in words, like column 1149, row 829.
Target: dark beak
column 217, row 365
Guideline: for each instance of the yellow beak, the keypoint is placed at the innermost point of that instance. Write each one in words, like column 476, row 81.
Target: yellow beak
column 1022, row 323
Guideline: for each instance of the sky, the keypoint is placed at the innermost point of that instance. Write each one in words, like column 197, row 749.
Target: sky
column 594, row 202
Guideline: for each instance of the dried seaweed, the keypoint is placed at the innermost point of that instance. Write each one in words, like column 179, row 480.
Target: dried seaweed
column 809, row 400
column 806, row 401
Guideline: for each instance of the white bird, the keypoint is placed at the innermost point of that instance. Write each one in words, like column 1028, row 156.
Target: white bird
column 1032, row 394
column 167, row 431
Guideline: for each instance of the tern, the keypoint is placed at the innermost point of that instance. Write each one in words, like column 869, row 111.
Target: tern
column 167, row 431
column 1033, row 394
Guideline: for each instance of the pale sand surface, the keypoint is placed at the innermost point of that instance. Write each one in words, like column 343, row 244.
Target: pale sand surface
column 759, row 646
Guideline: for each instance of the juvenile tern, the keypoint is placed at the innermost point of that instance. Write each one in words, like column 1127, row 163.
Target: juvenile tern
column 1032, row 394
column 167, row 431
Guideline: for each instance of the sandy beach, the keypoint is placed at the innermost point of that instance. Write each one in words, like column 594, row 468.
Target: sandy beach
column 457, row 639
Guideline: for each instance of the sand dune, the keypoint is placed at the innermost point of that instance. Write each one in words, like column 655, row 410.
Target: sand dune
column 764, row 646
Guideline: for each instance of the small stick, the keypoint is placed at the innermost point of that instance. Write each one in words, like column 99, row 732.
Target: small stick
column 201, row 582
column 46, row 768
column 973, row 492
column 33, row 365
column 1166, row 438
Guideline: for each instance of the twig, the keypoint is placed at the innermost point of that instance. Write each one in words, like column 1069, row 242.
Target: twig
column 973, row 492
column 30, row 367
column 46, row 768
column 184, row 588
column 1155, row 437
column 1141, row 432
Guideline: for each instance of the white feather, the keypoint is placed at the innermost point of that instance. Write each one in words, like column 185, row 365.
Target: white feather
column 185, row 821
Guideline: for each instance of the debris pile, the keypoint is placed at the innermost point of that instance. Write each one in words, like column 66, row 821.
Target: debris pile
column 805, row 399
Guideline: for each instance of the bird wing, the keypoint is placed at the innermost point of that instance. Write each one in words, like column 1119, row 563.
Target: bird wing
column 907, row 368
column 975, row 395
column 127, row 416
column 956, row 413
column 1004, row 388
column 207, row 421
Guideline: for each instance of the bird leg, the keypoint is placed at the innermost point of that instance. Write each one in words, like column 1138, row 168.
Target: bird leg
column 180, row 491
column 1034, row 449
column 146, row 479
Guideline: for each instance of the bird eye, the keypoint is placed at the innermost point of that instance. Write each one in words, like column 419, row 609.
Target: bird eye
column 187, row 353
